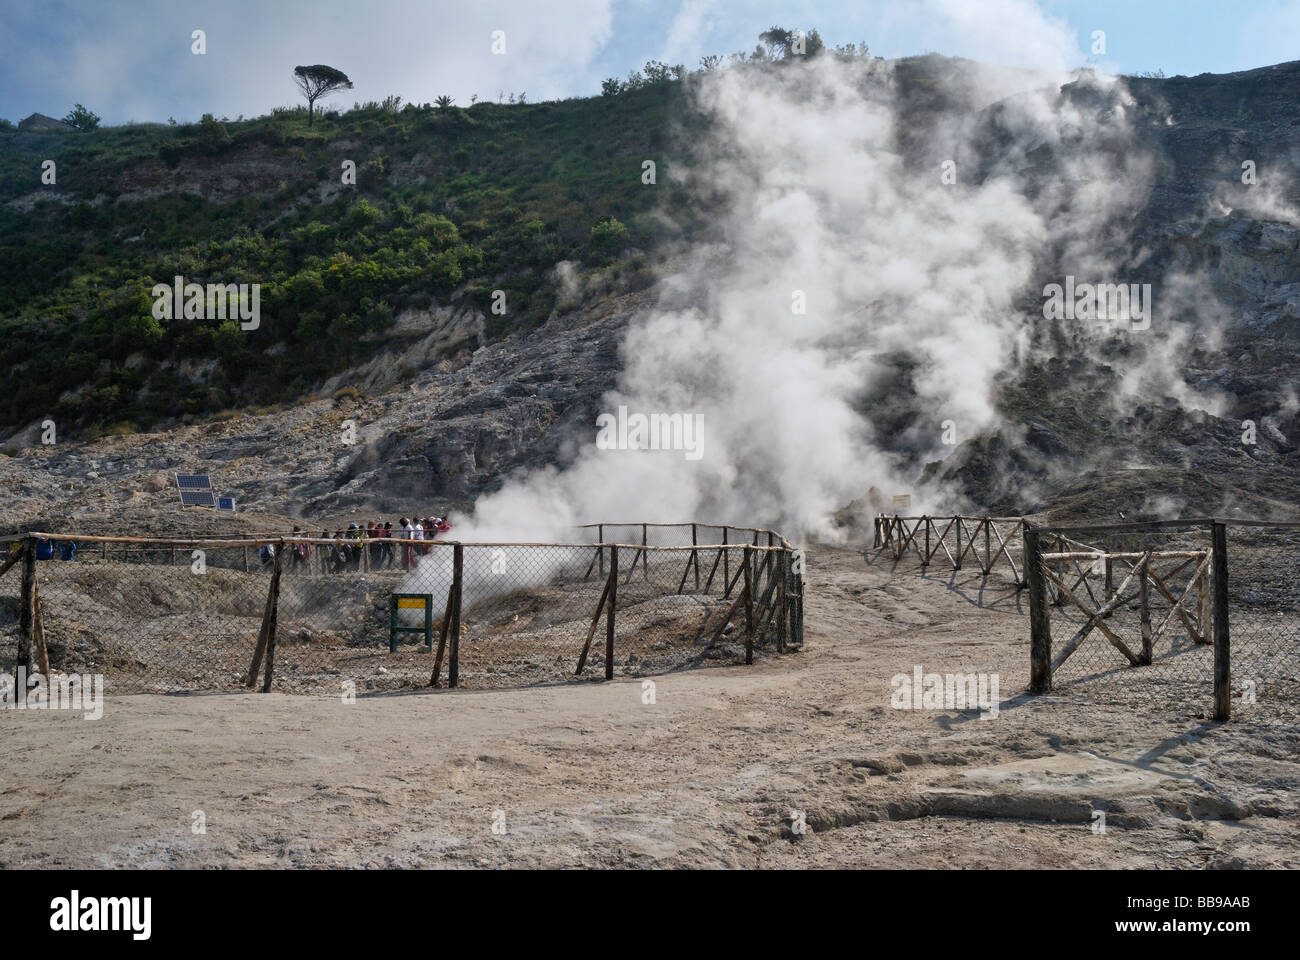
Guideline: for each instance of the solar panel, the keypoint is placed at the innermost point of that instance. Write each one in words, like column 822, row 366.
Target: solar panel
column 226, row 503
column 193, row 481
column 198, row 498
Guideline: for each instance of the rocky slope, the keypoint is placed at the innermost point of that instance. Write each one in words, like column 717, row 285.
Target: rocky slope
column 436, row 423
column 442, row 415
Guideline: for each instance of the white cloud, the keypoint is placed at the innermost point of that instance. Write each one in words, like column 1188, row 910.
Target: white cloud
column 691, row 32
column 1013, row 33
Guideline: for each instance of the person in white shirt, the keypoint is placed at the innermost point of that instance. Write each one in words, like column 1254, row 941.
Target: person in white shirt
column 407, row 534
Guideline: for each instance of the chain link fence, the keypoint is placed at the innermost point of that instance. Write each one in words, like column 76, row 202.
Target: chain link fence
column 1152, row 610
column 1263, row 608
column 985, row 546
column 320, row 616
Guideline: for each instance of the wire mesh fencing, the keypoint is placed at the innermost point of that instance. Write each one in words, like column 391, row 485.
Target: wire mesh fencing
column 1263, row 610
column 320, row 616
column 1197, row 612
column 979, row 545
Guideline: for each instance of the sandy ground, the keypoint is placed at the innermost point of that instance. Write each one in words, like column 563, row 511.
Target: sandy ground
column 711, row 774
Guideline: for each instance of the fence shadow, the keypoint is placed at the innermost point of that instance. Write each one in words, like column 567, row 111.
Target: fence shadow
column 990, row 591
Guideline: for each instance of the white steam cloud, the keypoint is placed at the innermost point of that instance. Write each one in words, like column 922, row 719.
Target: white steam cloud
column 820, row 205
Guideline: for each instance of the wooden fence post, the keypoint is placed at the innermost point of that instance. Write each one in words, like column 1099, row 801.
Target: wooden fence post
column 609, row 613
column 1222, row 648
column 749, row 606
column 695, row 555
column 1040, row 619
column 600, row 538
column 273, row 615
column 726, row 567
column 782, row 606
column 645, row 556
column 1144, row 613
column 457, row 586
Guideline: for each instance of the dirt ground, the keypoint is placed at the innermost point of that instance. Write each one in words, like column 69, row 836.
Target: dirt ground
column 713, row 773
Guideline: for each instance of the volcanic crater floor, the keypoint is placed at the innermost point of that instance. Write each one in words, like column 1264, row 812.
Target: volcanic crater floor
column 798, row 761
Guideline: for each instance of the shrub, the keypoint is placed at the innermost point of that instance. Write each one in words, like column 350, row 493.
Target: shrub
column 607, row 239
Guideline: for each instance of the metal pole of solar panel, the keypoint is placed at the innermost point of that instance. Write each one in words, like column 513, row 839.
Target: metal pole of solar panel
column 609, row 613
column 1222, row 648
column 457, row 586
column 26, row 616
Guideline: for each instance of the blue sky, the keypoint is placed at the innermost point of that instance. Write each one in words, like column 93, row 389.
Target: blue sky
column 131, row 60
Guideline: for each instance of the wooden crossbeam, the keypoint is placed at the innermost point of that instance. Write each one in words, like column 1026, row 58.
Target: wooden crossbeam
column 442, row 635
column 1096, row 617
column 1178, row 606
column 1156, row 579
column 940, row 542
column 971, row 543
column 712, row 570
column 1083, row 579
column 1002, row 547
column 910, row 540
column 586, row 647
column 13, row 559
column 741, row 600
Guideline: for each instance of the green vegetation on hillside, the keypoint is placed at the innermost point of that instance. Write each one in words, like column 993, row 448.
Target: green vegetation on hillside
column 447, row 202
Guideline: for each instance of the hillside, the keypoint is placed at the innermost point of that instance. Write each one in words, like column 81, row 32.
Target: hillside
column 449, row 205
column 376, row 299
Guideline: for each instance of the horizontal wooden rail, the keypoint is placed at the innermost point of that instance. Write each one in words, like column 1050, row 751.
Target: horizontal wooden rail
column 355, row 541
column 763, row 531
column 1103, row 555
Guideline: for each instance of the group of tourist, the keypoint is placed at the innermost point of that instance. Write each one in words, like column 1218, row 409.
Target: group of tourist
column 380, row 540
